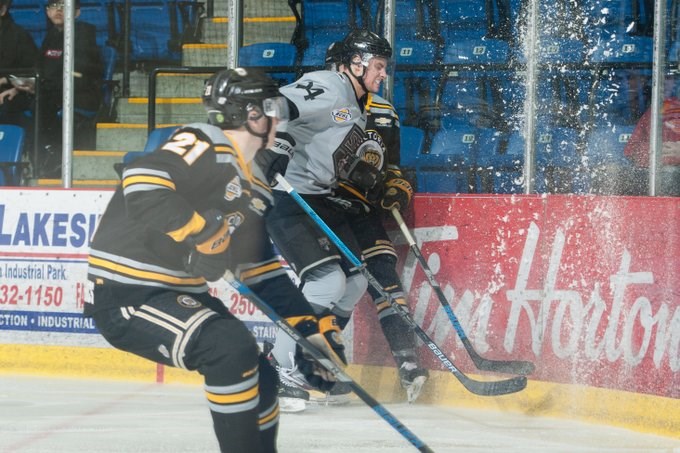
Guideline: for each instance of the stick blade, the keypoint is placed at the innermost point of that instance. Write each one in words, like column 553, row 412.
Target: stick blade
column 496, row 388
column 519, row 367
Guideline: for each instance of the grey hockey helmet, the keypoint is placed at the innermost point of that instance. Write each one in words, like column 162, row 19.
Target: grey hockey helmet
column 230, row 94
column 366, row 44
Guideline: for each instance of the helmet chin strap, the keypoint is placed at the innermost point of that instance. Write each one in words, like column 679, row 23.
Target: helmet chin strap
column 264, row 136
column 359, row 79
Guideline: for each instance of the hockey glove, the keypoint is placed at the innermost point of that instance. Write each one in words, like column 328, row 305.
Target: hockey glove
column 398, row 191
column 206, row 258
column 318, row 376
column 271, row 163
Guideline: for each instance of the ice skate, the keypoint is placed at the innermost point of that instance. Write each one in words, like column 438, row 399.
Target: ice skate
column 412, row 378
column 293, row 394
column 339, row 395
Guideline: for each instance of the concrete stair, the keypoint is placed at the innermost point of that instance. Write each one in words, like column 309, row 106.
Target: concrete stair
column 177, row 95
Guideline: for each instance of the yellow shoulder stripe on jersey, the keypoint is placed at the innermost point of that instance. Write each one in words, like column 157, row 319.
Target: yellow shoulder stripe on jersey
column 195, row 224
column 146, row 275
column 144, row 179
column 370, row 102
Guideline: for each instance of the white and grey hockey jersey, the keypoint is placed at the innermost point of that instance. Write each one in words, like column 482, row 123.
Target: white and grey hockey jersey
column 325, row 133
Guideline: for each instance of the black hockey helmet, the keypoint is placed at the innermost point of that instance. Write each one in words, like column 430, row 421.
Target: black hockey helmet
column 334, row 54
column 230, row 94
column 366, row 44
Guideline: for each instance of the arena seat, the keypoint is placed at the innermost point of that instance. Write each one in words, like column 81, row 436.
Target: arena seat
column 414, row 88
column 608, row 168
column 271, row 54
column 11, row 149
column 448, row 167
column 156, row 138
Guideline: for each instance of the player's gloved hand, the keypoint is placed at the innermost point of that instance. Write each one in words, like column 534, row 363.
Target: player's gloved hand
column 206, row 258
column 272, row 162
column 318, row 376
column 398, row 191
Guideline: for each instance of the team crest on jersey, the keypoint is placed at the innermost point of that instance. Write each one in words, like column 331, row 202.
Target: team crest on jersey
column 188, row 302
column 341, row 115
column 234, row 220
column 257, row 205
column 233, row 189
column 372, row 150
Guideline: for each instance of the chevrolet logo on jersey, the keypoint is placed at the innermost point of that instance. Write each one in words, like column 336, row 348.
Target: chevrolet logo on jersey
column 233, row 189
column 259, row 206
column 382, row 121
column 341, row 115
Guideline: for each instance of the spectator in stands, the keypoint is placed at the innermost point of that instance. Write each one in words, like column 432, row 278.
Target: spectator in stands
column 17, row 52
column 87, row 75
column 637, row 148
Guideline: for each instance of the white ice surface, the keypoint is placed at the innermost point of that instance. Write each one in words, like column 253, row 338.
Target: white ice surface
column 74, row 416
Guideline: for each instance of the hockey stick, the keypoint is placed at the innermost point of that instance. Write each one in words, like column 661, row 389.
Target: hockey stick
column 327, row 363
column 485, row 388
column 501, row 366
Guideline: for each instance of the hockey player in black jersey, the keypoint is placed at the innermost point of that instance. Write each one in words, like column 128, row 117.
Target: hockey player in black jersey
column 350, row 182
column 184, row 215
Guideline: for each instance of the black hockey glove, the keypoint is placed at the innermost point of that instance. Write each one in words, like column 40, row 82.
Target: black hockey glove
column 271, row 163
column 206, row 258
column 326, row 340
column 398, row 191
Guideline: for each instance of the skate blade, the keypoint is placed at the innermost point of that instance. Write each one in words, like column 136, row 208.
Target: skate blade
column 291, row 405
column 413, row 390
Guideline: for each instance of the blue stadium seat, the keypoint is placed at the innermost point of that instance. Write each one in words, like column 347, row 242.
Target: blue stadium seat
column 31, row 16
column 271, row 54
column 156, row 138
column 619, row 16
column 153, row 30
column 462, row 17
column 621, row 95
column 560, row 50
column 267, row 54
column 477, row 51
column 607, row 168
column 314, row 55
column 605, row 145
column 448, row 167
column 11, row 149
column 504, row 164
column 558, row 162
column 622, row 48
column 412, row 140
column 414, row 88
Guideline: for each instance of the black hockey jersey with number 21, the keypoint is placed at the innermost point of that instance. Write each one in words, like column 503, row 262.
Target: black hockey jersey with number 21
column 140, row 238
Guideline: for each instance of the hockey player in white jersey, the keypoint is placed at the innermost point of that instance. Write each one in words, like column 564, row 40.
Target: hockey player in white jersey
column 342, row 169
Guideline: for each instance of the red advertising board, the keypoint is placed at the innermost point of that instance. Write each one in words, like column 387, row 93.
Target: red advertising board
column 585, row 287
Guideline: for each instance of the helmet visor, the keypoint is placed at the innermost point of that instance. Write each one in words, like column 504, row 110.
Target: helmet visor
column 276, row 107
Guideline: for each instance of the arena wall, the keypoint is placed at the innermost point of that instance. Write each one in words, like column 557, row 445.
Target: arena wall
column 585, row 287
